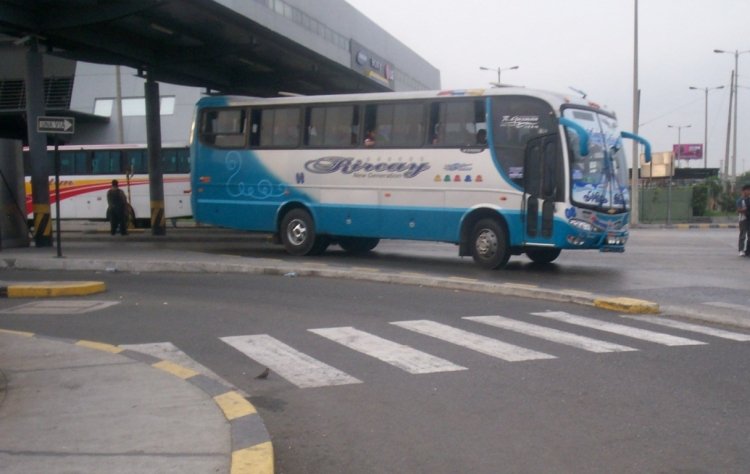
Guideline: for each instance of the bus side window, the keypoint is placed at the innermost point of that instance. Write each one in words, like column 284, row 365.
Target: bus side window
column 456, row 123
column 169, row 161
column 516, row 120
column 394, row 125
column 136, row 161
column 332, row 126
column 223, row 128
column 106, row 162
column 279, row 128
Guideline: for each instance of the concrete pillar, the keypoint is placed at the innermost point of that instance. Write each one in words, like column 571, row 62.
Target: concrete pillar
column 13, row 229
column 37, row 146
column 153, row 139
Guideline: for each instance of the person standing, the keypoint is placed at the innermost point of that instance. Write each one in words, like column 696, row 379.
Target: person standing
column 117, row 209
column 743, row 211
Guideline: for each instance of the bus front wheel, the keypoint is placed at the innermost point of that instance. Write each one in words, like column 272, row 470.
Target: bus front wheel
column 542, row 255
column 489, row 244
column 299, row 236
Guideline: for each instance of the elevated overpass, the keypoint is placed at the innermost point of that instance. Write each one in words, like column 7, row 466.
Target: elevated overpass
column 251, row 47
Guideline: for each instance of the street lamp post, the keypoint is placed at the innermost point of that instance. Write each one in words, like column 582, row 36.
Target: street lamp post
column 498, row 70
column 736, row 75
column 705, row 122
column 671, row 168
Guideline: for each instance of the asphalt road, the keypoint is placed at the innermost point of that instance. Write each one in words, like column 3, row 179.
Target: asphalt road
column 644, row 407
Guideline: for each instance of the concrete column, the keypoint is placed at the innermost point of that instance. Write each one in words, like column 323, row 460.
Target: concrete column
column 153, row 138
column 13, row 230
column 37, row 146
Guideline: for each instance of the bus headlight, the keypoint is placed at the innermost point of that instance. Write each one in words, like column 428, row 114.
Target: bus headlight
column 581, row 225
column 616, row 239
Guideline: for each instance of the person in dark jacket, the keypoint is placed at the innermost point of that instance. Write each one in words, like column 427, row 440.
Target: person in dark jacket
column 117, row 209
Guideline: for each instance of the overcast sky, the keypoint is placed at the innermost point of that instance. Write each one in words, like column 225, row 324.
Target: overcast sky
column 588, row 44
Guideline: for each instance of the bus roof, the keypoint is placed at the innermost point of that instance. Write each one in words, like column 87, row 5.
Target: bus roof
column 551, row 97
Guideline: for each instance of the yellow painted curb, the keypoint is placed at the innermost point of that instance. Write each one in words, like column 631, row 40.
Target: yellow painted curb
column 256, row 459
column 100, row 346
column 55, row 288
column 627, row 305
column 175, row 369
column 234, row 405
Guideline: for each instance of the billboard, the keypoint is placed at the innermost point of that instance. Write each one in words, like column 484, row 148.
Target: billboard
column 688, row 151
column 371, row 65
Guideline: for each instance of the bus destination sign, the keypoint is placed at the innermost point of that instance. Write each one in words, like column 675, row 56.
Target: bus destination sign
column 55, row 124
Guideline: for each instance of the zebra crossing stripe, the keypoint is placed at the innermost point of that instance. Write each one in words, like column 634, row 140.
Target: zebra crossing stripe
column 475, row 342
column 636, row 333
column 549, row 334
column 296, row 367
column 395, row 354
column 670, row 323
column 170, row 352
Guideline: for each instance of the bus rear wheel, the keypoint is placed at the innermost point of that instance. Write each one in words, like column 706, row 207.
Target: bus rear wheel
column 299, row 236
column 489, row 244
column 542, row 255
column 358, row 244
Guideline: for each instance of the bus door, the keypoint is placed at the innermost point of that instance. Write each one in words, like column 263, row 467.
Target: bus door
column 541, row 178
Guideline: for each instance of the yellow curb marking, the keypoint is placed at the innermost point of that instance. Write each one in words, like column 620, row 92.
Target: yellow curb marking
column 100, row 346
column 256, row 459
column 54, row 289
column 17, row 333
column 234, row 405
column 627, row 305
column 175, row 369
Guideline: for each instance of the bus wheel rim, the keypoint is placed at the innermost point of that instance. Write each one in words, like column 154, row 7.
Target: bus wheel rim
column 297, row 232
column 486, row 243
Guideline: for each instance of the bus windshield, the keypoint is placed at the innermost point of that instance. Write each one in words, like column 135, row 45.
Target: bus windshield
column 600, row 179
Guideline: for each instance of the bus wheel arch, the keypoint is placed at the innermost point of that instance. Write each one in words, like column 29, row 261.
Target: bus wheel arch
column 298, row 233
column 484, row 236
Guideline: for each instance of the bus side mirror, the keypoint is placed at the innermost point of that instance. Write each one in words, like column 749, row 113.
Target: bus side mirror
column 640, row 140
column 583, row 135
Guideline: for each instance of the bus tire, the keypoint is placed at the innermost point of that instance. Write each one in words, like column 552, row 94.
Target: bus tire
column 299, row 236
column 489, row 244
column 542, row 255
column 358, row 244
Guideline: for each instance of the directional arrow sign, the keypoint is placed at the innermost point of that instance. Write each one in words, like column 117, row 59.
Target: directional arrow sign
column 55, row 124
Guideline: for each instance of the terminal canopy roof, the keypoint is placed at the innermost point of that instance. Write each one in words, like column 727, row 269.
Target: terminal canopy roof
column 189, row 42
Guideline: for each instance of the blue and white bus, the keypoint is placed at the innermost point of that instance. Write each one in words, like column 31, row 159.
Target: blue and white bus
column 499, row 172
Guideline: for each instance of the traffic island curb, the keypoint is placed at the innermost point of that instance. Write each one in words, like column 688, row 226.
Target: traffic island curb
column 52, row 289
column 251, row 451
column 627, row 305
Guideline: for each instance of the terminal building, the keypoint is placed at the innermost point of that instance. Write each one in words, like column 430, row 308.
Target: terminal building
column 95, row 59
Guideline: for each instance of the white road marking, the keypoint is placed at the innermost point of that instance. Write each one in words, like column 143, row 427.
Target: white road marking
column 56, row 306
column 172, row 353
column 721, row 304
column 643, row 334
column 296, row 367
column 670, row 323
column 476, row 342
column 398, row 355
column 554, row 335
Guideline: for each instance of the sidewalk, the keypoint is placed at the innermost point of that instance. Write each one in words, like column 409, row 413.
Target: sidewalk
column 81, row 406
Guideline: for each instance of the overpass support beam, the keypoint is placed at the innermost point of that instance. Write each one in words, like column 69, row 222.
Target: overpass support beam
column 37, row 146
column 153, row 138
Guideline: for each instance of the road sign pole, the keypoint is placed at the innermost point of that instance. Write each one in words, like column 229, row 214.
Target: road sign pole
column 55, row 126
column 57, row 196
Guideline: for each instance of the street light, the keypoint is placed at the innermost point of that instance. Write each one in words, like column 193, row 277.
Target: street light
column 498, row 70
column 705, row 122
column 671, row 168
column 736, row 75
